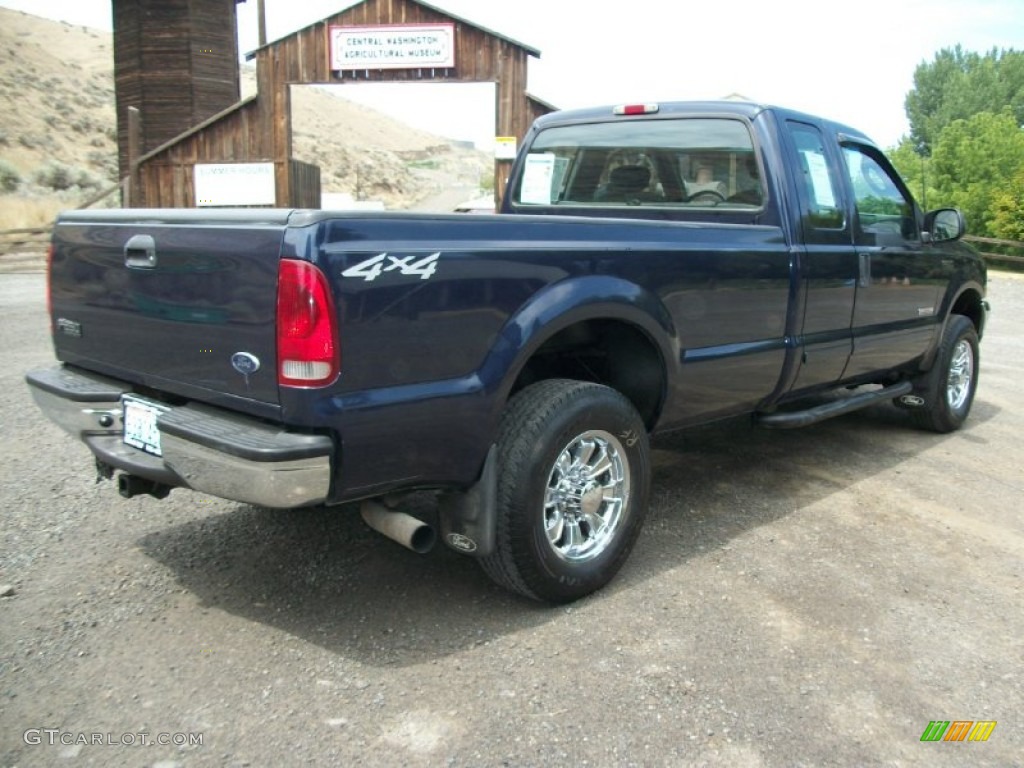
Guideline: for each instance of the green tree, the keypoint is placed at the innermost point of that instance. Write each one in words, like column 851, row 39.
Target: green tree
column 959, row 84
column 1008, row 209
column 916, row 172
column 972, row 160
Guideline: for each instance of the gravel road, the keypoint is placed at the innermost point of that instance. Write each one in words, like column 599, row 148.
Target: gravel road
column 802, row 598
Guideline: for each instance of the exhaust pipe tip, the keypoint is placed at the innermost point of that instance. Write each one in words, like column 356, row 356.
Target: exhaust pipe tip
column 133, row 485
column 125, row 486
column 399, row 527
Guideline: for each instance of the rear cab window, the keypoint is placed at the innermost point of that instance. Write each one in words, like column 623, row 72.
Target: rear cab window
column 681, row 164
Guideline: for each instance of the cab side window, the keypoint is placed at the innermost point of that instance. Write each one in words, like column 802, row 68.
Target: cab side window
column 823, row 215
column 885, row 213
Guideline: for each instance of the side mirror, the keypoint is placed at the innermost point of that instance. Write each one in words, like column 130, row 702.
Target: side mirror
column 944, row 224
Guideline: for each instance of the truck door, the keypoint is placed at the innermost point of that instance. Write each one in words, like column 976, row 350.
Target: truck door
column 894, row 318
column 828, row 260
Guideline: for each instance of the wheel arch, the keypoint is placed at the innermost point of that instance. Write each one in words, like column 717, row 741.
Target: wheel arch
column 970, row 303
column 601, row 329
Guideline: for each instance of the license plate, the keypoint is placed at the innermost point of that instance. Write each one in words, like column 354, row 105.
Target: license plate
column 140, row 429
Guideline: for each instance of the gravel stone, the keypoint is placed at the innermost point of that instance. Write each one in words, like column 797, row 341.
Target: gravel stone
column 873, row 577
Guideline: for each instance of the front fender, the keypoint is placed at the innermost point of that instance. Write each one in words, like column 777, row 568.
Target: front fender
column 967, row 299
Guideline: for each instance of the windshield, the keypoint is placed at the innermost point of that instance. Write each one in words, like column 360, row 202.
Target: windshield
column 676, row 163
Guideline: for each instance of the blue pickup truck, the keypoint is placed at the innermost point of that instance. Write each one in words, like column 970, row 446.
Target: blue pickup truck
column 653, row 267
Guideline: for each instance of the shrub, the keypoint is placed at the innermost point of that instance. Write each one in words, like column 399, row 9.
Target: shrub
column 10, row 179
column 426, row 164
column 56, row 176
column 87, row 180
column 62, row 178
column 1008, row 209
column 105, row 163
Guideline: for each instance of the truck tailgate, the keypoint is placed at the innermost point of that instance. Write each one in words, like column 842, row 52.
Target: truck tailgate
column 180, row 301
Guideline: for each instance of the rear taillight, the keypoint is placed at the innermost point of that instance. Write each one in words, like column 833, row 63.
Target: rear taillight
column 307, row 329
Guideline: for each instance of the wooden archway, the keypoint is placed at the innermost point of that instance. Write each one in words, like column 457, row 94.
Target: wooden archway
column 260, row 129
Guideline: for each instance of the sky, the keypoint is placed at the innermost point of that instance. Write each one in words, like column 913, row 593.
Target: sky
column 853, row 62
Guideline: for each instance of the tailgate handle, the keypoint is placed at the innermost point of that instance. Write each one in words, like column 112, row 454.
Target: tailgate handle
column 140, row 252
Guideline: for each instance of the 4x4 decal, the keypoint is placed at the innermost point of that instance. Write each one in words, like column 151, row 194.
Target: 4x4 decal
column 374, row 267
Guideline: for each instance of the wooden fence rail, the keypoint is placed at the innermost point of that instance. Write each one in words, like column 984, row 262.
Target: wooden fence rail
column 23, row 250
column 1009, row 252
column 31, row 240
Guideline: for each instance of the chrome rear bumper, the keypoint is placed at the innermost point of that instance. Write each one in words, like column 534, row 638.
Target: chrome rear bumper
column 206, row 449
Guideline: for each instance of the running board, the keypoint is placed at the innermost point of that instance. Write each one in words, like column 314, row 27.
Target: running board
column 794, row 419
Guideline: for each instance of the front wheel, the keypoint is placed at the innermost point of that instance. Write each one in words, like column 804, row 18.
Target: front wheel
column 573, row 480
column 948, row 388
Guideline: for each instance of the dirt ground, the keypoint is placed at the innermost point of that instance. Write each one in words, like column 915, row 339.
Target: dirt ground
column 803, row 598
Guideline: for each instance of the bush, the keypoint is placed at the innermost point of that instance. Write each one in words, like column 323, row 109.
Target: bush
column 60, row 177
column 55, row 176
column 1008, row 209
column 86, row 180
column 105, row 163
column 10, row 179
column 427, row 164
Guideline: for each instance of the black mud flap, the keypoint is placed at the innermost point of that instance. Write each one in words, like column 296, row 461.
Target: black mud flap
column 468, row 518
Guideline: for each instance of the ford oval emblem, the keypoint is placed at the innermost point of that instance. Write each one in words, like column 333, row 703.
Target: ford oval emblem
column 462, row 543
column 245, row 363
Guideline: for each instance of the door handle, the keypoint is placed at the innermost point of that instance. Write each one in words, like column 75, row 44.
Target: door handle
column 865, row 270
column 140, row 252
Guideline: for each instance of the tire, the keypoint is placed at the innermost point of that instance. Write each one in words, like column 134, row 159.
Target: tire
column 573, row 482
column 948, row 388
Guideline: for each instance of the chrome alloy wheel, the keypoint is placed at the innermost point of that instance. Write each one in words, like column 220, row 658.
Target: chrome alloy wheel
column 586, row 496
column 961, row 374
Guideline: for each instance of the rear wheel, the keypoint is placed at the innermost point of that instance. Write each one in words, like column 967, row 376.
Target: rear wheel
column 948, row 388
column 574, row 473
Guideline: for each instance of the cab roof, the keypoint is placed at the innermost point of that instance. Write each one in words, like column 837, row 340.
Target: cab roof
column 667, row 109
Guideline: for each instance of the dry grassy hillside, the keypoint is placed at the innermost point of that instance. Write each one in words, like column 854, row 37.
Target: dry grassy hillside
column 57, row 134
column 58, row 137
column 373, row 157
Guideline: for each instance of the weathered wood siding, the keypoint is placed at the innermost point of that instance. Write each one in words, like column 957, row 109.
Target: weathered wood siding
column 177, row 62
column 226, row 138
column 305, row 184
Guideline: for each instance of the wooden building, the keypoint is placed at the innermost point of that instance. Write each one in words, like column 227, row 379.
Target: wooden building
column 259, row 129
column 176, row 61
